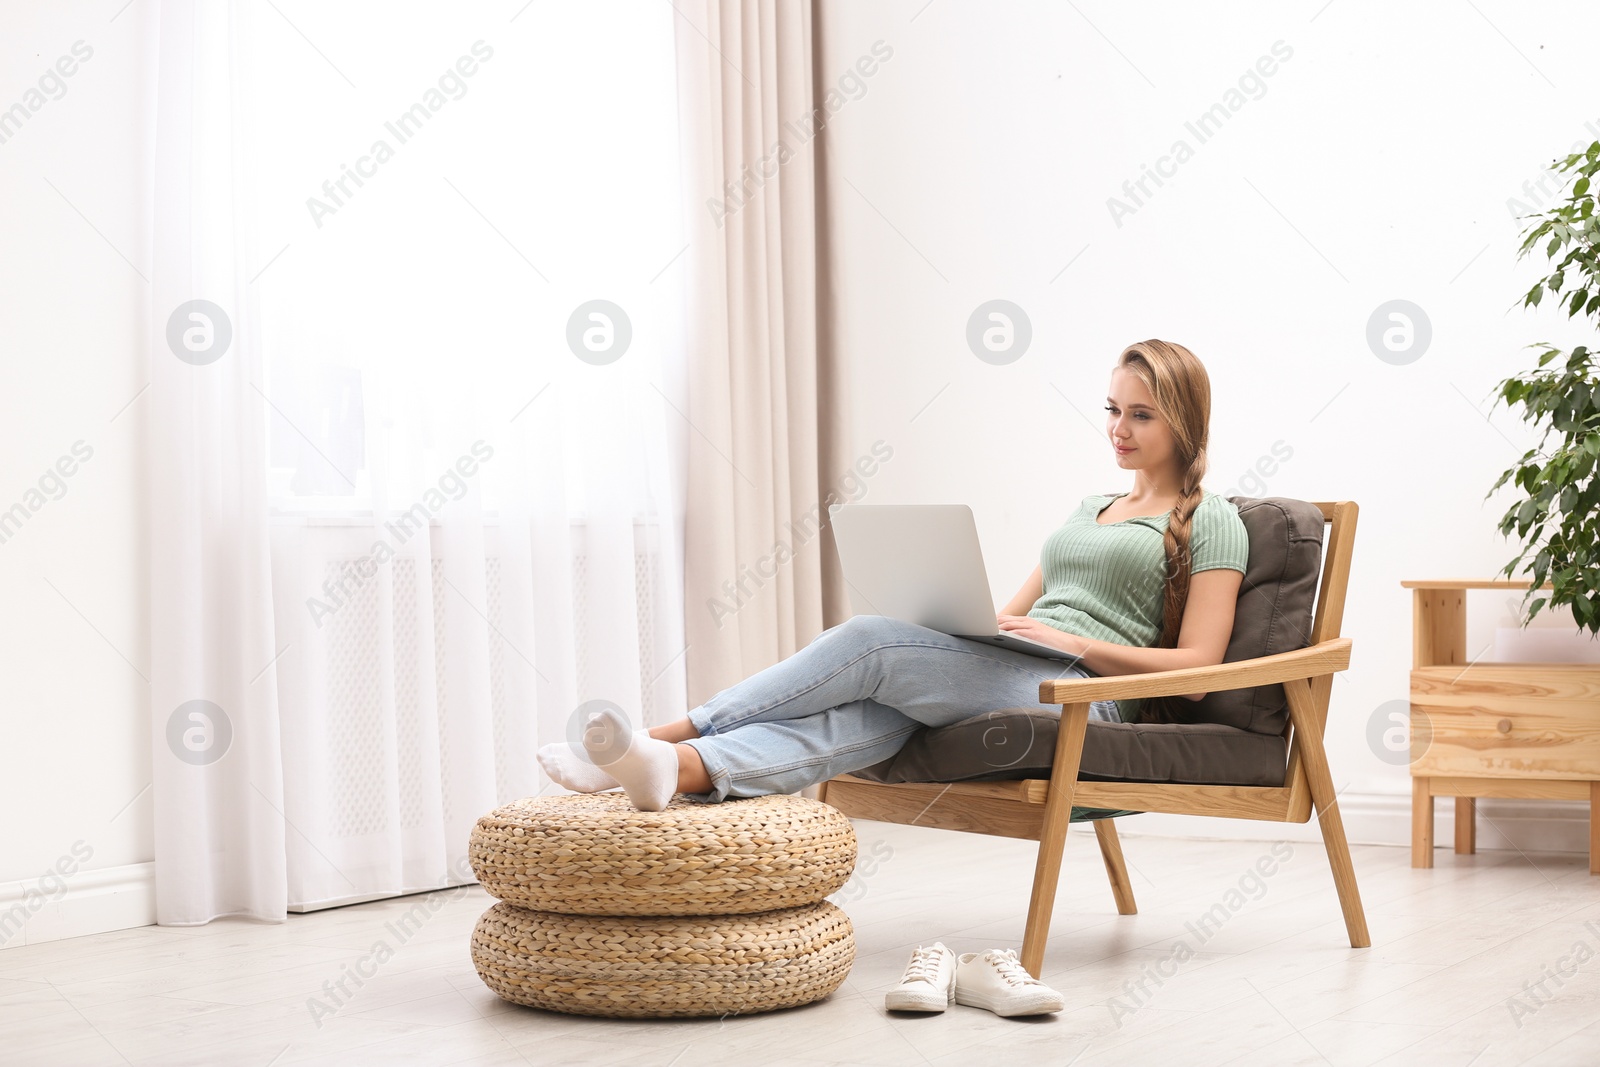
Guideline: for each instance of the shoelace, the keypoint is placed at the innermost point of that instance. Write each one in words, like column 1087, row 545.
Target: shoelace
column 924, row 966
column 1010, row 968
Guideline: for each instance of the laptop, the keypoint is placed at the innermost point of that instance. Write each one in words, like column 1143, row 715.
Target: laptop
column 921, row 563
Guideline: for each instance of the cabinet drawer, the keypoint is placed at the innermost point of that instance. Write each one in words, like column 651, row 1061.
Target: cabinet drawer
column 1500, row 720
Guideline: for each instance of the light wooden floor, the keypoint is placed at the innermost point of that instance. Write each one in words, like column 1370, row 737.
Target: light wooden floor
column 1451, row 978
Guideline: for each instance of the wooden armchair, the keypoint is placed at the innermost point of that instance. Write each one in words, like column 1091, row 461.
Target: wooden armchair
column 1041, row 809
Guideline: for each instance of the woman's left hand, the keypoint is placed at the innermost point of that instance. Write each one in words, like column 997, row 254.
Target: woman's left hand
column 1042, row 632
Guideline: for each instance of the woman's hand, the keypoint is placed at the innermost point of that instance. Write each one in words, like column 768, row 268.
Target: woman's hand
column 1042, row 632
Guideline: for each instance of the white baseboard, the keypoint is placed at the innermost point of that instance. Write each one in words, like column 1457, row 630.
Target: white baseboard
column 86, row 902
column 1385, row 819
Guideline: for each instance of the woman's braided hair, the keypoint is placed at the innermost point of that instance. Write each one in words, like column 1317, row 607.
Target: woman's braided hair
column 1182, row 392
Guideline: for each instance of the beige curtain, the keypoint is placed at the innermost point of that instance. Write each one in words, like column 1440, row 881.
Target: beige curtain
column 761, row 576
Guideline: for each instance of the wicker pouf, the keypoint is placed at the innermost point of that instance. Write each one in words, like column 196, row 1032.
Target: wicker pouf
column 596, row 854
column 700, row 909
column 628, row 966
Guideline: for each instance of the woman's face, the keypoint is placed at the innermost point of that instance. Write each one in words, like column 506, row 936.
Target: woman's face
column 1140, row 437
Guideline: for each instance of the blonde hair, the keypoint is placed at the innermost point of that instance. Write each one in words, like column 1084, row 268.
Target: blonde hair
column 1182, row 391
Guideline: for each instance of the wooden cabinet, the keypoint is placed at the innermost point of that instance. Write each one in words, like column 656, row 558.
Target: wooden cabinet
column 1478, row 729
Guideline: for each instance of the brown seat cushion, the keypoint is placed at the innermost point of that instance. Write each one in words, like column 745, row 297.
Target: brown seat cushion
column 1021, row 742
column 1238, row 739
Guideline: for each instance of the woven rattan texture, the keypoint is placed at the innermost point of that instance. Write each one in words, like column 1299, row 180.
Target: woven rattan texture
column 654, row 967
column 595, row 854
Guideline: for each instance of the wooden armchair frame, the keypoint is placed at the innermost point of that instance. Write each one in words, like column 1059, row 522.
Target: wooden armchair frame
column 1041, row 809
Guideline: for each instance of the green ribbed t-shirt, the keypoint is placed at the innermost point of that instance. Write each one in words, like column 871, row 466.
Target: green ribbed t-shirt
column 1106, row 582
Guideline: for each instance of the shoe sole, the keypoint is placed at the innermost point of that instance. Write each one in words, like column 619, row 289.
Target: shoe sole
column 914, row 1002
column 1039, row 1005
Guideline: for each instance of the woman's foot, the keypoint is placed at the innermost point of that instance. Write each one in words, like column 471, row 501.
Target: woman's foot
column 569, row 766
column 646, row 768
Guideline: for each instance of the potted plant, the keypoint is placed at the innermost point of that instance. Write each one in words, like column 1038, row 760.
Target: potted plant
column 1557, row 513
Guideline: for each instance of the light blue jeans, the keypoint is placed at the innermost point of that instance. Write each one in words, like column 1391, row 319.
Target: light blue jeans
column 850, row 699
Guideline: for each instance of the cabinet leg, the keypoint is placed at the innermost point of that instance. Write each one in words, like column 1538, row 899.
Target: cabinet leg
column 1466, row 825
column 1594, row 827
column 1421, row 824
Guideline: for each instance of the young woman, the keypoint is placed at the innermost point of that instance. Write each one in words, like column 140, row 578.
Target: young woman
column 1133, row 582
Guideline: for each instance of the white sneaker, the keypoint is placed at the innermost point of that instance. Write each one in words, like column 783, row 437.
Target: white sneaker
column 996, row 980
column 928, row 983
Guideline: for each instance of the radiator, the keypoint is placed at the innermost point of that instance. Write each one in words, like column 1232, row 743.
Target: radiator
column 352, row 664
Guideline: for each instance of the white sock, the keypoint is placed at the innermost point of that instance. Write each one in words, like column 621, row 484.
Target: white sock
column 647, row 769
column 569, row 766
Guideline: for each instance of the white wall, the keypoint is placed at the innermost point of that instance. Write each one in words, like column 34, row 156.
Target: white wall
column 74, row 239
column 1377, row 164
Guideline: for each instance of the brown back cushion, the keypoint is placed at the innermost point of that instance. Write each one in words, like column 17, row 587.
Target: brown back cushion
column 1275, row 606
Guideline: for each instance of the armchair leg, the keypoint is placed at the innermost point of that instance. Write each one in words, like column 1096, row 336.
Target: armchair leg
column 1053, row 833
column 1105, row 830
column 1314, row 758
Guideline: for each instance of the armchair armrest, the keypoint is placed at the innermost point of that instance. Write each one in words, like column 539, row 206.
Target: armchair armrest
column 1310, row 662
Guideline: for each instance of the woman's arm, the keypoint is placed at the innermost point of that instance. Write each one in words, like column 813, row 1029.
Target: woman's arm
column 1027, row 596
column 1202, row 640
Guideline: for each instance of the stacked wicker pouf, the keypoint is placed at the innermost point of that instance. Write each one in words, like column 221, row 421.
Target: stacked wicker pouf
column 700, row 909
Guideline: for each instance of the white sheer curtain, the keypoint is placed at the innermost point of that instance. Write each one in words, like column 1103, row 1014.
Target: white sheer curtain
column 472, row 525
column 218, row 785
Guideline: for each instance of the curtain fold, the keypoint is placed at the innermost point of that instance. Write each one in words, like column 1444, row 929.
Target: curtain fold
column 760, row 576
column 215, row 758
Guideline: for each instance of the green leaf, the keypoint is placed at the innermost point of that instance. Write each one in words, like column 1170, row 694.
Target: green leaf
column 1555, row 516
column 1584, row 465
